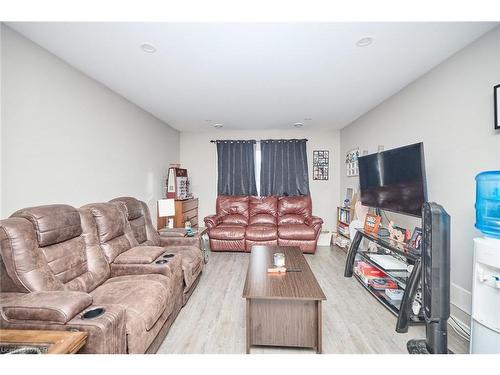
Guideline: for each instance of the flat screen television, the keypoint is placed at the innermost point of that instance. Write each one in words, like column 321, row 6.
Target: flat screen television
column 394, row 180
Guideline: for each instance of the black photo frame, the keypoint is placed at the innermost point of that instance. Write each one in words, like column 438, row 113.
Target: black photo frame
column 496, row 95
column 321, row 164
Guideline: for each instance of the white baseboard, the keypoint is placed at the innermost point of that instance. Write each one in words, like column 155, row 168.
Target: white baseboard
column 461, row 298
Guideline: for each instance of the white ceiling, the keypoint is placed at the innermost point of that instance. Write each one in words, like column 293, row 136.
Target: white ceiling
column 254, row 76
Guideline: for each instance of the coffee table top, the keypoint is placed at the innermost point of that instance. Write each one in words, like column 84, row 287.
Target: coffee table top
column 291, row 285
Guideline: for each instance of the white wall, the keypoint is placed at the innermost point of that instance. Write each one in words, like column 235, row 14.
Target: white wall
column 199, row 156
column 68, row 139
column 450, row 109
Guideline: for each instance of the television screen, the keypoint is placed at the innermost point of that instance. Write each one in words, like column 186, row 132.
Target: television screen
column 394, row 180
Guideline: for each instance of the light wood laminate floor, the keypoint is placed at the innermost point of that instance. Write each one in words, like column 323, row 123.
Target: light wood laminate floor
column 213, row 320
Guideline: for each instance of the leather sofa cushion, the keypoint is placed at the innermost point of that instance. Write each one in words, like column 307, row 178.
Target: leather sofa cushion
column 230, row 205
column 234, row 219
column 296, row 232
column 294, row 209
column 144, row 297
column 257, row 232
column 263, row 210
column 140, row 255
column 228, row 233
column 291, row 219
column 51, row 307
column 53, row 223
column 109, row 219
column 134, row 208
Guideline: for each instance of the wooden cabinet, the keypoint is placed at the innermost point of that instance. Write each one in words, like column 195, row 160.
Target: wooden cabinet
column 186, row 209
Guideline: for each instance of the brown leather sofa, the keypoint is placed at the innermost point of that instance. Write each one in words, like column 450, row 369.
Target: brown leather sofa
column 145, row 235
column 58, row 262
column 241, row 222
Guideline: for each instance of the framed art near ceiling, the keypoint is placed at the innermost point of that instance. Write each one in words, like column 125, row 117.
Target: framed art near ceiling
column 351, row 162
column 497, row 106
column 321, row 161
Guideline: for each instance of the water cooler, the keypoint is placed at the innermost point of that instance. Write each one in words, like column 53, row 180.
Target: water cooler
column 485, row 322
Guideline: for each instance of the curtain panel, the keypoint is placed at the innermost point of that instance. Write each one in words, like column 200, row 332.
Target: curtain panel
column 283, row 167
column 236, row 167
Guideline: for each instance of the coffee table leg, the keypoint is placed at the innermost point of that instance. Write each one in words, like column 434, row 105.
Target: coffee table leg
column 319, row 347
column 204, row 247
column 248, row 323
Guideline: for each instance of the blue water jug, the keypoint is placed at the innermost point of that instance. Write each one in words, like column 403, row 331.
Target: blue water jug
column 488, row 203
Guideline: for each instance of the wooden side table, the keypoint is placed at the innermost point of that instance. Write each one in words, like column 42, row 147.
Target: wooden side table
column 45, row 342
column 199, row 233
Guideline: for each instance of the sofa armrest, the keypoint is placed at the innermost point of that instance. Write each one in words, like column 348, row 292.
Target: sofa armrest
column 179, row 241
column 213, row 220
column 313, row 221
column 52, row 307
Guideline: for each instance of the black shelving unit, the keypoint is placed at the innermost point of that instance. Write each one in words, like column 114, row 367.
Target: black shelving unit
column 405, row 280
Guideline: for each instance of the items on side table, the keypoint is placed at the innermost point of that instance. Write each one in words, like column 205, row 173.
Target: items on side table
column 178, row 183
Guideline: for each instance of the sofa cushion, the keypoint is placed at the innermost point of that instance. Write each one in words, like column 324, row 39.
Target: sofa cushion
column 296, row 232
column 53, row 223
column 144, row 297
column 140, row 255
column 233, row 209
column 235, row 219
column 228, row 232
column 138, row 227
column 294, row 210
column 109, row 219
column 134, row 208
column 263, row 210
column 259, row 232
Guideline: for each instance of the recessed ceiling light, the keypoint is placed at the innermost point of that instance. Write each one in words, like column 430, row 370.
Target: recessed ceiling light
column 365, row 41
column 217, row 126
column 298, row 124
column 148, row 48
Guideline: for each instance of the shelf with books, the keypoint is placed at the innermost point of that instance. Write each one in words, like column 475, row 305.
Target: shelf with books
column 343, row 221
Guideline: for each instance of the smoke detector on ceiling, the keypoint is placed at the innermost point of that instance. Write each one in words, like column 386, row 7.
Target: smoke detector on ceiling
column 218, row 126
column 365, row 41
column 298, row 125
column 148, row 48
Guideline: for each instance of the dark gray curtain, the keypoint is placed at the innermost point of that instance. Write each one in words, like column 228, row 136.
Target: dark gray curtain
column 283, row 167
column 236, row 168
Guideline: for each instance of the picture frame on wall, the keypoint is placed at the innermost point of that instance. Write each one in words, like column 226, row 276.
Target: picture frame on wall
column 351, row 162
column 496, row 96
column 321, row 164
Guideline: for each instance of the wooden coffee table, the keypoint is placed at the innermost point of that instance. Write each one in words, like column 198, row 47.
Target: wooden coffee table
column 282, row 309
column 49, row 342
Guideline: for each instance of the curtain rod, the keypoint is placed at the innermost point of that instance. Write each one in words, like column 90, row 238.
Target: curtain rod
column 215, row 141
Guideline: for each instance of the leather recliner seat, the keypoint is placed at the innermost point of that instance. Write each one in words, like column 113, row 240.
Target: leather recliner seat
column 241, row 222
column 144, row 233
column 53, row 270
